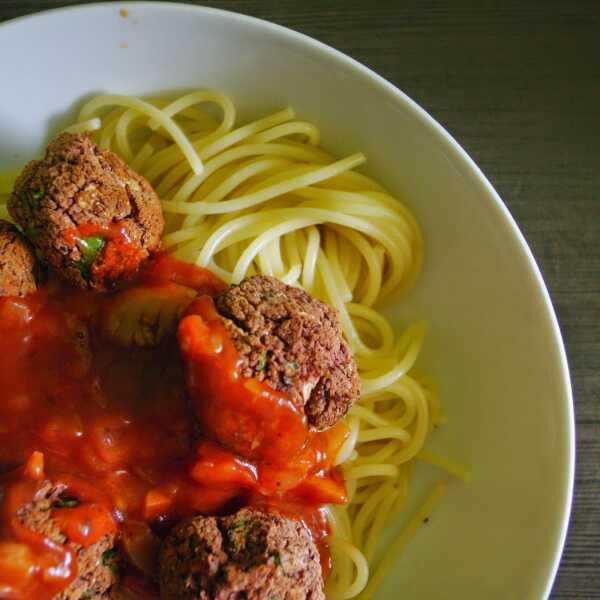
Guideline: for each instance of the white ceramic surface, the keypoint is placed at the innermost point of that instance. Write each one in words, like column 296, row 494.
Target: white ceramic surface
column 494, row 343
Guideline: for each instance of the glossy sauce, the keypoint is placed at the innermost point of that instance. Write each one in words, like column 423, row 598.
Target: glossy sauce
column 116, row 426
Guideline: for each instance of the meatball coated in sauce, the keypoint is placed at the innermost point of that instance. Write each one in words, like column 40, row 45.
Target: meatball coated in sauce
column 17, row 262
column 293, row 343
column 88, row 214
column 96, row 572
column 251, row 555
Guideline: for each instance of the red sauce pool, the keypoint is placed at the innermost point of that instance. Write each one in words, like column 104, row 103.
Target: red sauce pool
column 118, row 427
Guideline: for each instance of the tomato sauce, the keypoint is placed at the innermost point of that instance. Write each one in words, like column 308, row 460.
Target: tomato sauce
column 139, row 436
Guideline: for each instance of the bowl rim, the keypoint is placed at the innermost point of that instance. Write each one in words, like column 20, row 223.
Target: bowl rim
column 452, row 148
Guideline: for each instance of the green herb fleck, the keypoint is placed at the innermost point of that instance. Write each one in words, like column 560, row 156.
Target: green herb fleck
column 110, row 559
column 31, row 198
column 261, row 363
column 291, row 365
column 238, row 525
column 65, row 502
column 277, row 559
column 109, row 556
column 89, row 248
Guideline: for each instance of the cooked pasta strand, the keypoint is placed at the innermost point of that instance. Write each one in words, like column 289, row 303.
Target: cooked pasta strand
column 263, row 197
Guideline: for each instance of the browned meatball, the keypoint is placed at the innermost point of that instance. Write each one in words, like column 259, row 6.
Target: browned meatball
column 90, row 216
column 96, row 564
column 251, row 555
column 294, row 343
column 17, row 262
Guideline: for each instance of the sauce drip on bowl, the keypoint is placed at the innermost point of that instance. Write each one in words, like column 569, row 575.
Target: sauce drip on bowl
column 115, row 426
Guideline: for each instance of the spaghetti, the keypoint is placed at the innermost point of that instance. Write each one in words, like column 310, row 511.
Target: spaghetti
column 265, row 198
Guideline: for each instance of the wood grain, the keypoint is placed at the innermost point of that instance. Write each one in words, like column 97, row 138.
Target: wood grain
column 518, row 84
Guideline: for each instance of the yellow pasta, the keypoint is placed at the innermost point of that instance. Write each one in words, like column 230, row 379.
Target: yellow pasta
column 263, row 197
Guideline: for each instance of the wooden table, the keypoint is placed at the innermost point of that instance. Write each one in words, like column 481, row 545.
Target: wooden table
column 518, row 84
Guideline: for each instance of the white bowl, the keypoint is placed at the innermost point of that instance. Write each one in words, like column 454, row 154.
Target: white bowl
column 493, row 344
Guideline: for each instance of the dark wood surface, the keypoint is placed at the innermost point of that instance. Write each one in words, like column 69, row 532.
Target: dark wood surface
column 518, row 84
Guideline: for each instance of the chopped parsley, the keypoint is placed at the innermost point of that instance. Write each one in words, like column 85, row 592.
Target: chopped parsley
column 31, row 198
column 89, row 248
column 65, row 502
column 39, row 193
column 110, row 559
column 261, row 363
column 291, row 365
column 239, row 525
